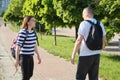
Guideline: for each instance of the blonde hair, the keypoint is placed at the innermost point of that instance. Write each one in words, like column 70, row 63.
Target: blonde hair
column 25, row 21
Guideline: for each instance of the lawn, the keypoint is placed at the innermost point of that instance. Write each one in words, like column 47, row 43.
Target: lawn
column 63, row 48
column 109, row 67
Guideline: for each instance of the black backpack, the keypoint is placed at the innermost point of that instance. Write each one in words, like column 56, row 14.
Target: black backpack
column 94, row 39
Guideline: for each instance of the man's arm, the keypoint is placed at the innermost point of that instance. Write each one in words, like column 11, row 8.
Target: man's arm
column 76, row 47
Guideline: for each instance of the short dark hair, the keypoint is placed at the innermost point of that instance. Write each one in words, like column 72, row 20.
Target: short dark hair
column 90, row 10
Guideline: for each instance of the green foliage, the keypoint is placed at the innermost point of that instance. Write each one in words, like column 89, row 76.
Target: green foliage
column 32, row 7
column 111, row 7
column 110, row 33
column 13, row 13
column 28, row 8
column 40, row 27
column 48, row 14
column 71, row 10
column 110, row 10
column 65, row 13
column 68, row 10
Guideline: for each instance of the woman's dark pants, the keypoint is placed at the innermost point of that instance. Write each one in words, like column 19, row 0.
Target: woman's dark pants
column 27, row 65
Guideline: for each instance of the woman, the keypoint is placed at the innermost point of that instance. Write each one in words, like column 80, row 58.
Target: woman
column 26, row 46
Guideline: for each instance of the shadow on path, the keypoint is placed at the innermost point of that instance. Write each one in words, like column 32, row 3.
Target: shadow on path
column 113, row 43
column 113, row 47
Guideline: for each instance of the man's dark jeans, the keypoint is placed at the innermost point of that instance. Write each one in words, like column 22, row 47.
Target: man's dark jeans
column 90, row 65
column 27, row 65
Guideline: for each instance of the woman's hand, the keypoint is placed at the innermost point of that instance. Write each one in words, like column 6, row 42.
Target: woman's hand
column 39, row 60
column 38, row 56
column 16, row 65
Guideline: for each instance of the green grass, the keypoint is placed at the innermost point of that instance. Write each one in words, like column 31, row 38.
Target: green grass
column 15, row 28
column 109, row 64
column 63, row 48
column 110, row 67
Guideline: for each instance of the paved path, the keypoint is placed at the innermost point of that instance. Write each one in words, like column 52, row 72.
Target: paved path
column 52, row 67
column 6, row 66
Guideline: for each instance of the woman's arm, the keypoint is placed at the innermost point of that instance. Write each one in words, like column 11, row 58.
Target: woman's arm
column 38, row 56
column 17, row 56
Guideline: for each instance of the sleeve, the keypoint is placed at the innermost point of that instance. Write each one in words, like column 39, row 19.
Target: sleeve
column 103, row 29
column 81, row 30
column 21, row 37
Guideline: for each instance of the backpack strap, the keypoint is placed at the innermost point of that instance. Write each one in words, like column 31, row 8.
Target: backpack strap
column 98, row 22
column 92, row 26
column 25, row 38
column 90, row 22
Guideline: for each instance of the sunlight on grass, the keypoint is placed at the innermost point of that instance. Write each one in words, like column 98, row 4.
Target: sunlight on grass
column 109, row 67
column 63, row 48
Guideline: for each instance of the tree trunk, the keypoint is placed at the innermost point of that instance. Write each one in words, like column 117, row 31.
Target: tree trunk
column 40, row 31
column 55, row 42
column 76, row 32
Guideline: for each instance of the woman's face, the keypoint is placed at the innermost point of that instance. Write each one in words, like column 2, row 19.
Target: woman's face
column 32, row 22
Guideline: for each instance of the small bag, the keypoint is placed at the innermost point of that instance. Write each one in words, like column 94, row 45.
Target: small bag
column 13, row 47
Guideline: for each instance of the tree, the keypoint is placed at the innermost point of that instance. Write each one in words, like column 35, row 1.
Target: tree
column 70, row 11
column 49, row 17
column 13, row 13
column 109, row 10
column 65, row 13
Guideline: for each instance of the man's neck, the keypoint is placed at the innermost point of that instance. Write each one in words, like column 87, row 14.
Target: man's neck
column 88, row 18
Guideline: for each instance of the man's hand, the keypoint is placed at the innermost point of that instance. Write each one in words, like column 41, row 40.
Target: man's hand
column 72, row 61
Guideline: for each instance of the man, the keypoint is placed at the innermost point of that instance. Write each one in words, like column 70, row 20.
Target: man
column 88, row 59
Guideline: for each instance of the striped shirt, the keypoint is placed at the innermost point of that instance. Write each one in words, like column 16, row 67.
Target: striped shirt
column 28, row 47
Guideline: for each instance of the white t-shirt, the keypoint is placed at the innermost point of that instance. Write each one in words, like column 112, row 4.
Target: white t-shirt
column 84, row 31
